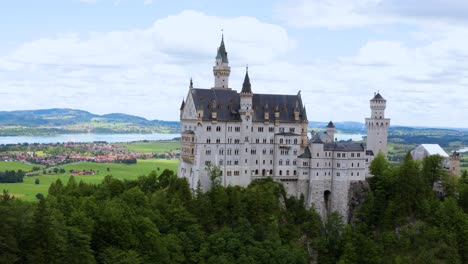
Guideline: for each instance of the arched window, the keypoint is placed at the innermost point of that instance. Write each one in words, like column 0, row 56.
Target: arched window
column 280, row 162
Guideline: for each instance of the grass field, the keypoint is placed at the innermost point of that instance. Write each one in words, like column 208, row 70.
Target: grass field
column 27, row 190
column 15, row 165
column 152, row 146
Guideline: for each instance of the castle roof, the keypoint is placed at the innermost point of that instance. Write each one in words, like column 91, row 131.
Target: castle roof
column 222, row 54
column 343, row 146
column 246, row 87
column 378, row 97
column 331, row 125
column 228, row 105
column 306, row 154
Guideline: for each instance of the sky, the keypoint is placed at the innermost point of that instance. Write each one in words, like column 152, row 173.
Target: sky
column 137, row 56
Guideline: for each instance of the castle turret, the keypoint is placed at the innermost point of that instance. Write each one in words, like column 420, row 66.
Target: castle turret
column 246, row 113
column 330, row 132
column 454, row 163
column 221, row 69
column 377, row 126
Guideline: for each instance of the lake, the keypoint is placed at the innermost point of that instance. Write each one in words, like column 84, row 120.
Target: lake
column 111, row 138
column 462, row 150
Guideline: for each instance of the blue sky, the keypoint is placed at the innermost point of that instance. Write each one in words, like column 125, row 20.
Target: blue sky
column 137, row 56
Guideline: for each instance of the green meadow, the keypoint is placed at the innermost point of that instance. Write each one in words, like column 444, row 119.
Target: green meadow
column 27, row 190
column 152, row 146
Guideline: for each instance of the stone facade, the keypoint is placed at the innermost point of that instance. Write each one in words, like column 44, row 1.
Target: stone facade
column 252, row 136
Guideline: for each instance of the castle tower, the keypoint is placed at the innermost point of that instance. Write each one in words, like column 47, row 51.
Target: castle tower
column 246, row 113
column 377, row 126
column 330, row 132
column 455, row 163
column 221, row 69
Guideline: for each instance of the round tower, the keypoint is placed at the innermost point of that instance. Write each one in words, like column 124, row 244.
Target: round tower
column 377, row 126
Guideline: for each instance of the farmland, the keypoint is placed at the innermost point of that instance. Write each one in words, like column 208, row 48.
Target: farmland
column 27, row 190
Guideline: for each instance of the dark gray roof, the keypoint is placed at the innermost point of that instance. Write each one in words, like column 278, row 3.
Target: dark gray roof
column 378, row 97
column 331, row 125
column 343, row 146
column 227, row 105
column 222, row 54
column 317, row 139
column 306, row 154
column 182, row 105
column 369, row 153
column 287, row 134
column 246, row 87
column 188, row 132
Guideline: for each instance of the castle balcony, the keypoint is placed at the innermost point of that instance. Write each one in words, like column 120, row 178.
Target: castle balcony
column 284, row 146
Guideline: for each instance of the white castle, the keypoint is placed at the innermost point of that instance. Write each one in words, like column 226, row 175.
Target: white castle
column 252, row 136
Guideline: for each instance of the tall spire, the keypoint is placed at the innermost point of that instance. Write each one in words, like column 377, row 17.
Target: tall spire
column 246, row 87
column 191, row 83
column 222, row 54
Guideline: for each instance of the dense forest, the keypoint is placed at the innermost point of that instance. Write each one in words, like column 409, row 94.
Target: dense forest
column 157, row 219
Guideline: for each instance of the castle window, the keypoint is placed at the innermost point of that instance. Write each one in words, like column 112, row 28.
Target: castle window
column 236, row 162
column 208, row 128
column 317, row 164
column 343, row 155
column 221, row 151
column 295, row 141
column 260, row 129
column 264, row 151
column 287, row 172
column 280, row 162
column 281, row 129
column 292, row 129
column 318, row 154
column 208, row 140
column 358, row 155
column 229, row 173
column 281, row 141
column 271, row 151
column 351, row 174
column 263, row 162
column 218, row 140
column 236, row 152
column 229, row 162
column 264, row 141
column 220, row 162
column 337, row 164
column 218, row 128
column 271, row 129
column 358, row 164
column 271, row 141
column 237, row 129
column 352, row 155
column 256, row 172
column 317, row 174
column 338, row 155
column 207, row 163
column 352, row 164
column 294, row 172
column 271, row 172
column 257, row 140
column 337, row 174
column 294, row 162
column 280, row 172
column 229, row 151
column 287, row 162
column 208, row 152
column 236, row 141
column 358, row 174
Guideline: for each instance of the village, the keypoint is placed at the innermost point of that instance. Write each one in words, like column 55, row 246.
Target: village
column 50, row 155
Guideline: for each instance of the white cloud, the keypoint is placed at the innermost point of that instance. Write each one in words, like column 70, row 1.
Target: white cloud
column 148, row 2
column 88, row 1
column 141, row 71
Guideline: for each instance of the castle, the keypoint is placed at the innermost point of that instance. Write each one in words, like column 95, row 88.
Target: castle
column 252, row 136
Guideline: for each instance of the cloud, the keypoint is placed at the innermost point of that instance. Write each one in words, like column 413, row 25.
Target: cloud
column 338, row 14
column 88, row 1
column 141, row 71
column 148, row 2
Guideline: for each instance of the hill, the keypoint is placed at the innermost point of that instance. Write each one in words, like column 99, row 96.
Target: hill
column 64, row 121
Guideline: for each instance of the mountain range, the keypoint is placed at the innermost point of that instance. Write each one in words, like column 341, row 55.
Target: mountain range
column 59, row 120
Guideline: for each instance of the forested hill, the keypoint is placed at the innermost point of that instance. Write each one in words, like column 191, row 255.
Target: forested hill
column 158, row 219
column 58, row 120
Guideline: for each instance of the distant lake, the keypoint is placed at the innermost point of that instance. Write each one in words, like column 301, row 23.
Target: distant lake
column 465, row 149
column 353, row 137
column 111, row 138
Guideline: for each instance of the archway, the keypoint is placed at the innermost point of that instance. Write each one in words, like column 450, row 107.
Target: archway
column 326, row 200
